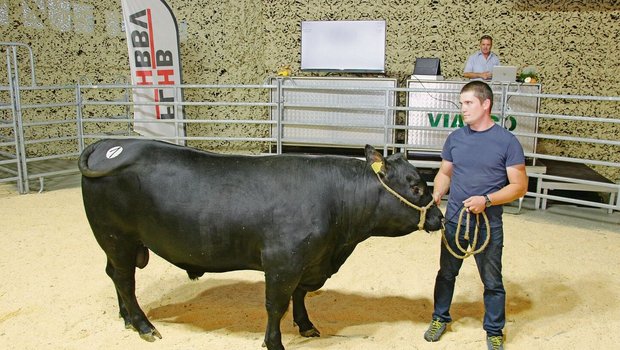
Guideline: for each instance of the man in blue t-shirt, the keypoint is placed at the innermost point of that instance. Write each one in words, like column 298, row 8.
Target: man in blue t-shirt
column 480, row 64
column 483, row 166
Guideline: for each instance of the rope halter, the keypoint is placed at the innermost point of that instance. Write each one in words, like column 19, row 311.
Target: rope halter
column 376, row 167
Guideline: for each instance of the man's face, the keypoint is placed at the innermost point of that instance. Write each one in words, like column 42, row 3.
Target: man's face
column 472, row 109
column 485, row 46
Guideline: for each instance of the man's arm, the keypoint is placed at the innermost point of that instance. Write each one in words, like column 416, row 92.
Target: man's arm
column 483, row 75
column 441, row 183
column 516, row 188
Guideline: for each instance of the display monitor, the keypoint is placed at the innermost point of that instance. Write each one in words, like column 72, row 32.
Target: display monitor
column 343, row 46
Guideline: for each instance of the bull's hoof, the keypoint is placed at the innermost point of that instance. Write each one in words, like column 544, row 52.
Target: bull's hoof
column 265, row 346
column 310, row 333
column 150, row 336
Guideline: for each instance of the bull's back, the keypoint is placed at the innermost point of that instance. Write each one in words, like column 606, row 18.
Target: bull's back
column 199, row 208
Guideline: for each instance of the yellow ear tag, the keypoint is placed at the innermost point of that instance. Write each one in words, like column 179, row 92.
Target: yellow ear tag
column 376, row 166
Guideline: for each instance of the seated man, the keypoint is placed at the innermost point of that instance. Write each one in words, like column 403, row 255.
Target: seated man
column 480, row 64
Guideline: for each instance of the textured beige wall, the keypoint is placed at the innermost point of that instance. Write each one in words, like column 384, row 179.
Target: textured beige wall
column 573, row 44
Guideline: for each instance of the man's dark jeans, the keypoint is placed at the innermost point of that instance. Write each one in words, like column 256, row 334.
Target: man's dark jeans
column 489, row 264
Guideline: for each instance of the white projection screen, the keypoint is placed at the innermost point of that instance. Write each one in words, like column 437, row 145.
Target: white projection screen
column 343, row 46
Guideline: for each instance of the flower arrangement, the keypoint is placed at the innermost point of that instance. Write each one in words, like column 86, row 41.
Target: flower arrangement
column 529, row 75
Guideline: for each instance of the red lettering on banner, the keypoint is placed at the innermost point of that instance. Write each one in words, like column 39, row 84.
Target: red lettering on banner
column 146, row 60
column 142, row 75
column 166, row 73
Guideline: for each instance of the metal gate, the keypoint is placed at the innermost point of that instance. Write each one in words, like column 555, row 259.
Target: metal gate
column 12, row 163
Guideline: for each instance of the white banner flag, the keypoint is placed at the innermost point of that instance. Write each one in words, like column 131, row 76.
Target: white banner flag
column 153, row 42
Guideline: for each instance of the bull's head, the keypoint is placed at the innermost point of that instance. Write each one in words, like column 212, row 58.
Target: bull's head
column 402, row 180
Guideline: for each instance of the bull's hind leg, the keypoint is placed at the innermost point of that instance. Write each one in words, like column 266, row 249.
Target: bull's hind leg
column 300, row 315
column 109, row 269
column 121, row 267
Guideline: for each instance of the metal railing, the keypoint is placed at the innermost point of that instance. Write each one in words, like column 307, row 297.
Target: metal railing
column 46, row 127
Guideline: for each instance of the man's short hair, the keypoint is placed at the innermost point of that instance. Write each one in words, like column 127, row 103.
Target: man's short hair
column 486, row 37
column 481, row 90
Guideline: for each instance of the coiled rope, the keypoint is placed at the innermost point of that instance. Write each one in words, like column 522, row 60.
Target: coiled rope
column 470, row 251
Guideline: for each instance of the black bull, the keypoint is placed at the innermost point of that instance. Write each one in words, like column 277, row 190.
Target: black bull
column 295, row 217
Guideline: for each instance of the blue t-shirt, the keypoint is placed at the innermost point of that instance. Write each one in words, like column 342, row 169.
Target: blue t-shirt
column 479, row 160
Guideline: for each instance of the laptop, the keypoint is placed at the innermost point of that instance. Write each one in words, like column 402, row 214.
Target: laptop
column 427, row 66
column 427, row 69
column 506, row 74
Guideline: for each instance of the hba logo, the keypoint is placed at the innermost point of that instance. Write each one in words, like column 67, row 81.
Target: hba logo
column 456, row 120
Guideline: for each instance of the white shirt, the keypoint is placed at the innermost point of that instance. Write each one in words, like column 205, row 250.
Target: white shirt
column 476, row 63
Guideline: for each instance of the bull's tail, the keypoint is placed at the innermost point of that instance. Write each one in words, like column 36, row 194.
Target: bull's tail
column 83, row 163
column 88, row 163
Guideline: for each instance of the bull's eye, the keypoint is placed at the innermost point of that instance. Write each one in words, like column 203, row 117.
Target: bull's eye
column 416, row 190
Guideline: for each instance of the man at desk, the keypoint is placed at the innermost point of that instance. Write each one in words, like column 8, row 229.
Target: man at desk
column 480, row 64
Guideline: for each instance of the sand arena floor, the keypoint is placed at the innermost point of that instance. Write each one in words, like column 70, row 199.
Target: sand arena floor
column 561, row 271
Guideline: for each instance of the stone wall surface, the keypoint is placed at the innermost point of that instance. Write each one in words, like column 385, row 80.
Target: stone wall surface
column 573, row 44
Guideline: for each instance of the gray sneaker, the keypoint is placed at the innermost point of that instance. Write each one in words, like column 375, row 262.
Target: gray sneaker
column 435, row 330
column 495, row 342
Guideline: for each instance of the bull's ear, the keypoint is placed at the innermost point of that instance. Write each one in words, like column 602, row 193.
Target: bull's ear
column 375, row 160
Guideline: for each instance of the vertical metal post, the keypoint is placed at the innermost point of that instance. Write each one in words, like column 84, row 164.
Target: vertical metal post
column 386, row 127
column 505, row 87
column 177, row 107
column 536, row 124
column 19, row 130
column 127, row 106
column 78, row 115
column 279, row 115
column 20, row 183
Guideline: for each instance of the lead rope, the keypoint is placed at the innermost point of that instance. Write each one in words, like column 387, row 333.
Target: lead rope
column 471, row 251
column 377, row 167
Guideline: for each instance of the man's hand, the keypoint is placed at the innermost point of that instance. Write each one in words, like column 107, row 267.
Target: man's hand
column 437, row 198
column 475, row 204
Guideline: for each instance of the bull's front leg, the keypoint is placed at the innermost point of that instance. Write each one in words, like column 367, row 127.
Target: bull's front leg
column 300, row 315
column 279, row 287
